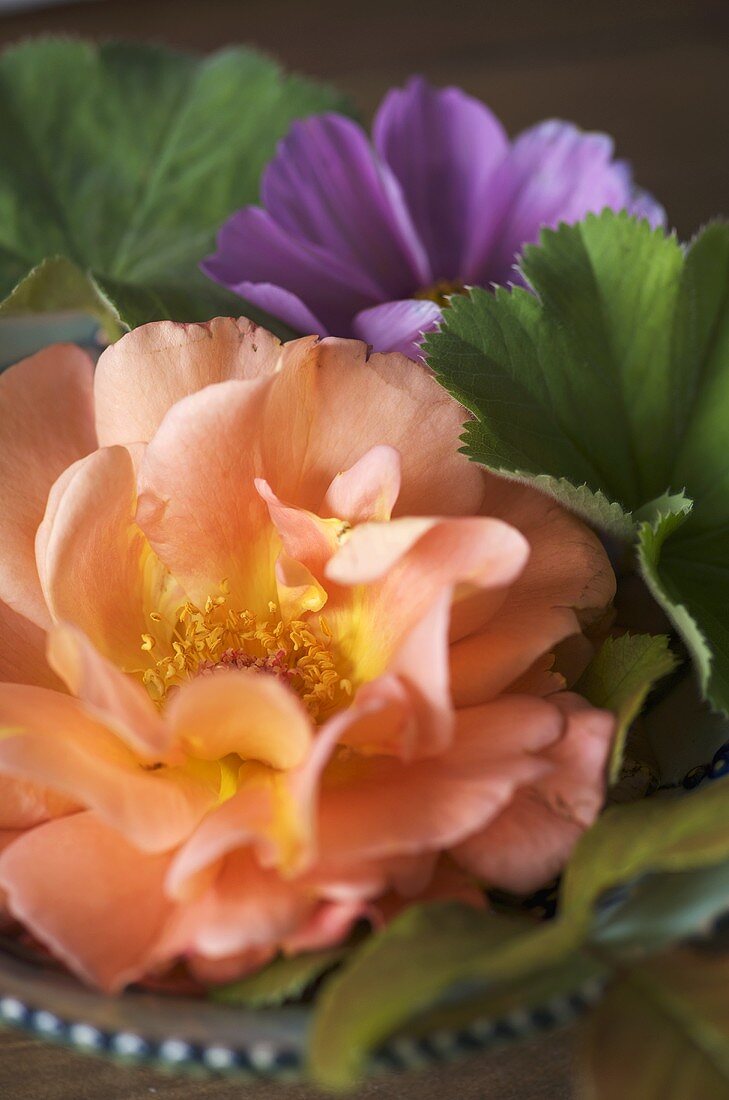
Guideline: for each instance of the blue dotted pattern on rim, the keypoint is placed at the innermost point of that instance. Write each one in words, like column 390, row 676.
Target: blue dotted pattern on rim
column 264, row 1060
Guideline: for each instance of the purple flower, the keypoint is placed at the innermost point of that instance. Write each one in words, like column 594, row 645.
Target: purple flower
column 368, row 239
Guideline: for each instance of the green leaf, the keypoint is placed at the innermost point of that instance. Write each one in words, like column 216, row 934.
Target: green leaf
column 394, row 976
column 613, row 377
column 282, row 980
column 619, row 678
column 662, row 1031
column 555, row 986
column 683, row 733
column 664, row 909
column 125, row 160
column 672, row 831
column 575, row 381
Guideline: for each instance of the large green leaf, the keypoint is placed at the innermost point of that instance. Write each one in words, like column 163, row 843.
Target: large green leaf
column 609, row 387
column 619, row 678
column 125, row 160
column 663, row 1032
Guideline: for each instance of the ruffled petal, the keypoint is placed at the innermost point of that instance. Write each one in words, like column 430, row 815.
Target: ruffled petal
column 198, row 504
column 532, row 838
column 96, row 902
column 368, row 490
column 120, row 702
column 567, row 582
column 46, row 423
column 332, row 403
column 373, row 807
column 140, row 377
column 245, row 907
column 397, row 571
column 444, row 147
column 48, row 739
column 22, row 653
column 96, row 566
column 397, row 326
column 241, row 712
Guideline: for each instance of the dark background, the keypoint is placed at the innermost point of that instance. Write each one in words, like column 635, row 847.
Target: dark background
column 655, row 74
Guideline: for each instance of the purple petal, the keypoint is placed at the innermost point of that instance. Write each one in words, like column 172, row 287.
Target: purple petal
column 444, row 148
column 554, row 173
column 327, row 186
column 282, row 304
column 397, row 326
column 252, row 248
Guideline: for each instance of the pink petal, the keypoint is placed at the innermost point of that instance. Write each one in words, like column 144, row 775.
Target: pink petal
column 567, row 581
column 48, row 739
column 95, row 901
column 245, row 907
column 22, row 654
column 241, row 712
column 397, row 571
column 119, row 701
column 198, row 505
column 373, row 807
column 531, row 840
column 140, row 377
column 46, row 423
column 95, row 564
column 327, row 410
column 368, row 490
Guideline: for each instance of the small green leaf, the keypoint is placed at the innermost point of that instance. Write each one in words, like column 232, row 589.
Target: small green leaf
column 125, row 160
column 662, row 1031
column 619, row 678
column 282, row 980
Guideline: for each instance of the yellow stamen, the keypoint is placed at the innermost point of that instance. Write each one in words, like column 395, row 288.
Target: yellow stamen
column 220, row 637
column 441, row 292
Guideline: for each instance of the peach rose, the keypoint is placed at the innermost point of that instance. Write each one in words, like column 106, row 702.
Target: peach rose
column 273, row 654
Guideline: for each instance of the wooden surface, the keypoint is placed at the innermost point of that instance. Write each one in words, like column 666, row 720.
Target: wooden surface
column 651, row 72
column 539, row 1070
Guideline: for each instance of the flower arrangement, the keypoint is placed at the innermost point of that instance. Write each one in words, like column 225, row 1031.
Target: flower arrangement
column 364, row 601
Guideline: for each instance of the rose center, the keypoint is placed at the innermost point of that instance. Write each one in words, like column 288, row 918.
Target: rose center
column 219, row 638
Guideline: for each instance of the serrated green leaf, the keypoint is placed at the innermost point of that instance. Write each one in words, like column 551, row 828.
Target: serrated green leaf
column 125, row 160
column 619, row 678
column 575, row 381
column 614, row 377
column 683, row 612
column 662, row 1031
column 283, row 979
